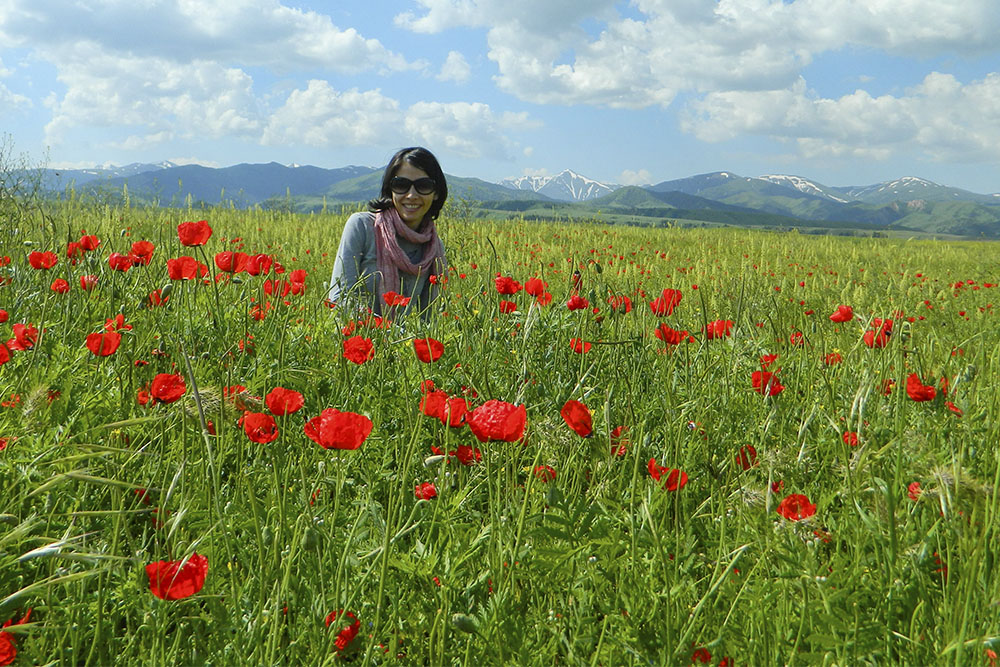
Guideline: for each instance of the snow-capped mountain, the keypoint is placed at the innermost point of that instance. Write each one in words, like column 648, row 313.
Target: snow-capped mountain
column 803, row 185
column 567, row 185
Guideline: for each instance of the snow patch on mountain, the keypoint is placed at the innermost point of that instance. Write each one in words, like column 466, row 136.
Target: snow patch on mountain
column 802, row 185
column 567, row 185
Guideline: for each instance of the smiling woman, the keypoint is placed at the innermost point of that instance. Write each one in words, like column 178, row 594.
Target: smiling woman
column 394, row 247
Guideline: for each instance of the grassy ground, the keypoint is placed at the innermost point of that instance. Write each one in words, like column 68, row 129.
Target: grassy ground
column 600, row 565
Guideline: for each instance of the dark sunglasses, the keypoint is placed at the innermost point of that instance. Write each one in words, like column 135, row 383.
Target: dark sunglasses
column 401, row 186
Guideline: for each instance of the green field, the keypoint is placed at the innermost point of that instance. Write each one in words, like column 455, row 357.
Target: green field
column 551, row 548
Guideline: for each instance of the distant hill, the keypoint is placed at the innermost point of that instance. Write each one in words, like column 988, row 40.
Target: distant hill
column 567, row 185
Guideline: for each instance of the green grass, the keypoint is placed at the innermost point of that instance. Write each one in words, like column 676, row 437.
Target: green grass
column 599, row 566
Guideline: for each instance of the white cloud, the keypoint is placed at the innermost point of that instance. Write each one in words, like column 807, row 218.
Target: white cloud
column 249, row 32
column 181, row 161
column 320, row 115
column 455, row 68
column 639, row 177
column 940, row 119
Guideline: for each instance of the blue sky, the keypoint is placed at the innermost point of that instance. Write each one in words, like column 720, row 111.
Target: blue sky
column 845, row 92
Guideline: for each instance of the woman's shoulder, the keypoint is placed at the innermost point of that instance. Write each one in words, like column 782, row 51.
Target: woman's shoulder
column 361, row 219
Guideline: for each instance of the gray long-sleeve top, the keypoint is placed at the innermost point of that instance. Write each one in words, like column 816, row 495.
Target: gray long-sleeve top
column 354, row 270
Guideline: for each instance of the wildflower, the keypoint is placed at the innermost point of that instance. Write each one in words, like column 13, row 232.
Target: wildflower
column 917, row 390
column 175, row 580
column 506, row 285
column 507, row 307
column 184, row 268
column 428, row 350
column 88, row 282
column 467, row 455
column 281, row 401
column 545, row 473
column 42, row 260
column 348, row 632
column 167, row 388
column 671, row 336
column 718, row 329
column 25, row 337
column 766, row 383
column 796, row 507
column 103, row 344
column 619, row 441
column 577, row 417
column 59, row 286
column 334, row 429
column 119, row 262
column 913, row 491
column 8, row 651
column 850, row 438
column 497, row 420
column 842, row 314
column 358, row 349
column 194, row 233
column 673, row 479
column 746, row 458
column 425, row 491
column 259, row 427
column 141, row 253
column 832, row 358
column 579, row 346
column 393, row 299
column 620, row 304
column 535, row 286
column 577, row 302
column 666, row 302
column 4, row 354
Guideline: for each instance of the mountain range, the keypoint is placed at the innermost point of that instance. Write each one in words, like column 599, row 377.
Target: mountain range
column 774, row 200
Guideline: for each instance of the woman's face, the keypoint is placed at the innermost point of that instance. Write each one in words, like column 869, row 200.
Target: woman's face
column 411, row 205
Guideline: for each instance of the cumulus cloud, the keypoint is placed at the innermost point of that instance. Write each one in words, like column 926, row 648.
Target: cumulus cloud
column 320, row 115
column 941, row 118
column 455, row 68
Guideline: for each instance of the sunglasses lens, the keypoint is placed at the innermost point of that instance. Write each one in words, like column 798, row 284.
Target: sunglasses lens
column 401, row 186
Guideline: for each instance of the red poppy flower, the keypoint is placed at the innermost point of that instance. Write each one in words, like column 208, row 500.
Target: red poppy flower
column 453, row 412
column 4, row 316
column 620, row 304
column 432, row 402
column 174, row 580
column 260, row 427
column 428, row 350
column 194, row 233
column 507, row 307
column 545, row 473
column 497, row 420
column 671, row 336
column 141, row 253
column 535, row 286
column 702, row 655
column 89, row 242
column 850, row 438
column 718, row 329
column 544, row 299
column 918, row 391
column 167, row 388
column 466, row 455
column 832, row 358
column 766, row 360
column 8, row 650
column 577, row 302
column 103, row 344
column 766, row 383
column 878, row 338
column 619, row 440
column 507, row 285
column 25, row 336
column 281, row 401
column 88, row 282
column 579, row 346
column 673, row 479
column 796, row 507
column 231, row 262
column 747, row 457
column 953, row 408
column 59, row 286
column 348, row 632
column 259, row 265
column 334, row 429
column 119, row 262
column 42, row 260
column 358, row 349
column 577, row 417
column 4, row 354
column 393, row 299
column 843, row 314
column 156, row 298
column 666, row 302
column 913, row 490
column 425, row 491
column 183, row 268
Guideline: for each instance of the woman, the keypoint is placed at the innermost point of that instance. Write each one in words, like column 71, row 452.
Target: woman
column 394, row 247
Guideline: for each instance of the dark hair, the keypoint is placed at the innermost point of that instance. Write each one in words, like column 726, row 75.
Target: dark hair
column 422, row 159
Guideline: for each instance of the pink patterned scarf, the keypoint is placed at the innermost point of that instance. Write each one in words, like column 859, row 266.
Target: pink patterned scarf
column 390, row 258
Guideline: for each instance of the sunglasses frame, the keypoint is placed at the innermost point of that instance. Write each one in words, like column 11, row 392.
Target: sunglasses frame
column 396, row 182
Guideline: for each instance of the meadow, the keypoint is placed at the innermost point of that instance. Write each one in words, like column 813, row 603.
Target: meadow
column 709, row 446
